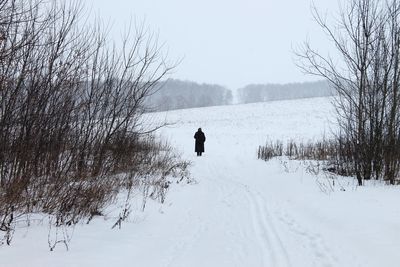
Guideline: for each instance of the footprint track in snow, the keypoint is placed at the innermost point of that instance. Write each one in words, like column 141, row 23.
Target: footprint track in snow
column 184, row 243
column 314, row 242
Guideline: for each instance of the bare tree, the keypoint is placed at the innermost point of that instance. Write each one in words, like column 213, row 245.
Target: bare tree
column 366, row 37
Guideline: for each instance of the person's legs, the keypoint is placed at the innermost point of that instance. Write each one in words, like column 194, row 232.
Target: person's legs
column 198, row 154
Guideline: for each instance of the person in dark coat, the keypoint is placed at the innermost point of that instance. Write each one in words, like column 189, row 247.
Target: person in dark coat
column 200, row 139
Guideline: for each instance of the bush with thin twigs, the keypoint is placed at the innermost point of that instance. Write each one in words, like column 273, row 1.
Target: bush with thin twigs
column 335, row 155
column 71, row 103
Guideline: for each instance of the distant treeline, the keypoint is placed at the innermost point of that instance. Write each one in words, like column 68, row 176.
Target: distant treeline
column 177, row 94
column 270, row 92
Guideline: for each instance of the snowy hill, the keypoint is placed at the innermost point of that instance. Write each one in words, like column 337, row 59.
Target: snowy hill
column 242, row 211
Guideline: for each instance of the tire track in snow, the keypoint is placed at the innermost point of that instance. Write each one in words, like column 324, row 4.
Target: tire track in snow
column 263, row 221
column 272, row 249
column 269, row 234
column 262, row 235
column 269, row 240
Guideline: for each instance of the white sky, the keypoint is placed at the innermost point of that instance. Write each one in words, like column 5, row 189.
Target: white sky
column 229, row 42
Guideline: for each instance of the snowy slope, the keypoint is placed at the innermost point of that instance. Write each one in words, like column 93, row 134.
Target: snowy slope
column 241, row 211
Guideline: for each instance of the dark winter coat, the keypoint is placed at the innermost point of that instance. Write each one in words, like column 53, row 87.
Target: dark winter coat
column 200, row 139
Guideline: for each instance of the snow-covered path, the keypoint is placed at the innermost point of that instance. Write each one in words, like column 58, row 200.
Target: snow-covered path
column 252, row 213
column 237, row 204
column 242, row 211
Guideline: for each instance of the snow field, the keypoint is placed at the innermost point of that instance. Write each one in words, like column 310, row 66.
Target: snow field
column 242, row 211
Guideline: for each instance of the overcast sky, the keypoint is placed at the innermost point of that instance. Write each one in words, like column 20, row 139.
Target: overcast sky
column 229, row 42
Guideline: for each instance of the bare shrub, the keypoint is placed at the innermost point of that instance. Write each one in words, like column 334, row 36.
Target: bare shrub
column 70, row 107
column 322, row 150
column 152, row 176
column 332, row 155
column 270, row 150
